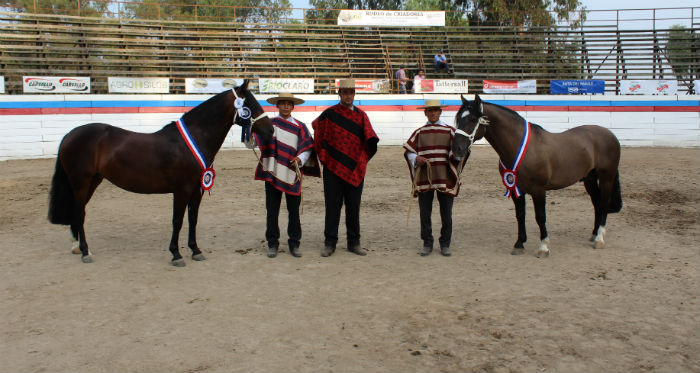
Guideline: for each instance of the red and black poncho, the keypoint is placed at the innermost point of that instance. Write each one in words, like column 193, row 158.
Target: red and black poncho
column 345, row 141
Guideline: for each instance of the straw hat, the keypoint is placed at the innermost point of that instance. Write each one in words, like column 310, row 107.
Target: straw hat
column 347, row 83
column 432, row 104
column 285, row 97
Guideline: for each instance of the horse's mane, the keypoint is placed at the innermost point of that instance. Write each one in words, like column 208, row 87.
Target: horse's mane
column 203, row 111
column 535, row 126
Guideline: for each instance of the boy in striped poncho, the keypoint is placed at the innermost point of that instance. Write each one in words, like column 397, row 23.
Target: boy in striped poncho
column 291, row 146
column 430, row 149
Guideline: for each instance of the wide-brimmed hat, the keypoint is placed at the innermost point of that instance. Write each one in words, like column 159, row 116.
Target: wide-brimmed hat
column 432, row 104
column 346, row 83
column 285, row 97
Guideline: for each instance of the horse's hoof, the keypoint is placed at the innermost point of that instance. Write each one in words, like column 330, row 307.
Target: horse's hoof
column 542, row 253
column 179, row 262
column 198, row 257
column 592, row 238
column 598, row 245
column 86, row 259
column 76, row 250
column 518, row 251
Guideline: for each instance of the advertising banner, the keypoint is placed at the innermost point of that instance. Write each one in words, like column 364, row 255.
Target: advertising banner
column 573, row 87
column 210, row 85
column 349, row 17
column 266, row 85
column 441, row 86
column 370, row 86
column 510, row 86
column 648, row 87
column 2, row 84
column 138, row 85
column 696, row 87
column 56, row 84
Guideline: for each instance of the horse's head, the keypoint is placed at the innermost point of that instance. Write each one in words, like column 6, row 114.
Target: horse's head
column 471, row 124
column 245, row 100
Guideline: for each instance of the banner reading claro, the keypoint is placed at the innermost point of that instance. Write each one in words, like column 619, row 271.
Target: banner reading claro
column 267, row 85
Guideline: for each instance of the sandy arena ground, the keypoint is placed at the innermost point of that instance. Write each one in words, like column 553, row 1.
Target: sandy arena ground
column 633, row 306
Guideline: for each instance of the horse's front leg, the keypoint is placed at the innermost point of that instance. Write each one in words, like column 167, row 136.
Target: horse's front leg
column 519, row 202
column 540, row 202
column 179, row 204
column 192, row 215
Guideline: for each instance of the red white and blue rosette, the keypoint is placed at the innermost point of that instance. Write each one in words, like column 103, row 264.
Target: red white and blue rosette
column 509, row 176
column 208, row 174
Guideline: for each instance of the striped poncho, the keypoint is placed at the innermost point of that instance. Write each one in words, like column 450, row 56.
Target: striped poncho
column 433, row 141
column 290, row 139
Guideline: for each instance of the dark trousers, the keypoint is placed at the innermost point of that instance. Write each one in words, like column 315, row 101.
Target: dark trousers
column 273, row 199
column 338, row 192
column 425, row 202
column 441, row 65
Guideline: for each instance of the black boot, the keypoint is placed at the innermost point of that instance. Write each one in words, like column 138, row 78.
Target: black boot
column 272, row 251
column 294, row 250
column 328, row 250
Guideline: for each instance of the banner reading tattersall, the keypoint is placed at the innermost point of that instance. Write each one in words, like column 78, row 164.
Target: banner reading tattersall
column 210, row 85
column 2, row 84
column 510, row 86
column 696, row 86
column 370, row 86
column 266, row 85
column 56, row 84
column 441, row 86
column 648, row 87
column 349, row 17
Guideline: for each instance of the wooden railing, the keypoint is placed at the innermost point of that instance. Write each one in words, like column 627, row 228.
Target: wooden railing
column 51, row 45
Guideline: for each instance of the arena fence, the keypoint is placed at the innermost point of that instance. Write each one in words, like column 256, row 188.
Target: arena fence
column 61, row 45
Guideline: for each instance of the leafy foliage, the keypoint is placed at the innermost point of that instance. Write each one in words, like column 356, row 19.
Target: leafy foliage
column 682, row 53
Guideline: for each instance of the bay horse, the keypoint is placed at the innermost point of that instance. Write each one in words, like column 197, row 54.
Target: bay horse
column 159, row 162
column 541, row 161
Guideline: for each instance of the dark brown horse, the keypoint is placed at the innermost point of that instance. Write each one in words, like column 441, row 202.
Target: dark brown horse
column 159, row 162
column 534, row 161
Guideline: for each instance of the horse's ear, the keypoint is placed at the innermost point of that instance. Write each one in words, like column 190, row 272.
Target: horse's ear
column 477, row 99
column 245, row 84
column 464, row 100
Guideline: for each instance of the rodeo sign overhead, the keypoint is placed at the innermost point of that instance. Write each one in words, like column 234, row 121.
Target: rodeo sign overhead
column 348, row 17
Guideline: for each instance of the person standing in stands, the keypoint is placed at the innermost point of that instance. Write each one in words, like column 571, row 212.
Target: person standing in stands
column 344, row 141
column 441, row 62
column 429, row 151
column 290, row 149
column 420, row 76
column 400, row 76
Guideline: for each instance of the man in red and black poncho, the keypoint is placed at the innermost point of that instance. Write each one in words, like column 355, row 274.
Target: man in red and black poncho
column 344, row 141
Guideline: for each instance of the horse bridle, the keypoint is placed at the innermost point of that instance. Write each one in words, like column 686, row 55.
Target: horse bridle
column 483, row 119
column 243, row 111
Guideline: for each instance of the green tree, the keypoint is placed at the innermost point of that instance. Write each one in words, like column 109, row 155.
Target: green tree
column 682, row 53
column 85, row 8
column 211, row 10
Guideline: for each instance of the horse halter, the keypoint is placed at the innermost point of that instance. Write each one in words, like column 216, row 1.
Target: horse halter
column 483, row 119
column 243, row 111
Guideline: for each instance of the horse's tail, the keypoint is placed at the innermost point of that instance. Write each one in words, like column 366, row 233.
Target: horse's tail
column 61, row 200
column 616, row 197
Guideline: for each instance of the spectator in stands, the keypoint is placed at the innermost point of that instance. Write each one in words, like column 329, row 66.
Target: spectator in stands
column 400, row 76
column 430, row 148
column 344, row 141
column 441, row 62
column 420, row 75
column 291, row 148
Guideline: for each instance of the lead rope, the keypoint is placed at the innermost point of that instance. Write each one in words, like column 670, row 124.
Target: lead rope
column 301, row 192
column 414, row 185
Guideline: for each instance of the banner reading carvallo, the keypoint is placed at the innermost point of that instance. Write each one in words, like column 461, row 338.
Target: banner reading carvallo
column 138, row 85
column 56, row 84
column 350, row 17
column 210, row 85
column 267, row 85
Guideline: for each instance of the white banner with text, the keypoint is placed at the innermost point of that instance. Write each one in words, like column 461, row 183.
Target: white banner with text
column 210, row 85
column 267, row 85
column 56, row 84
column 350, row 17
column 370, row 86
column 138, row 85
column 2, row 84
column 648, row 87
column 441, row 86
column 510, row 86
